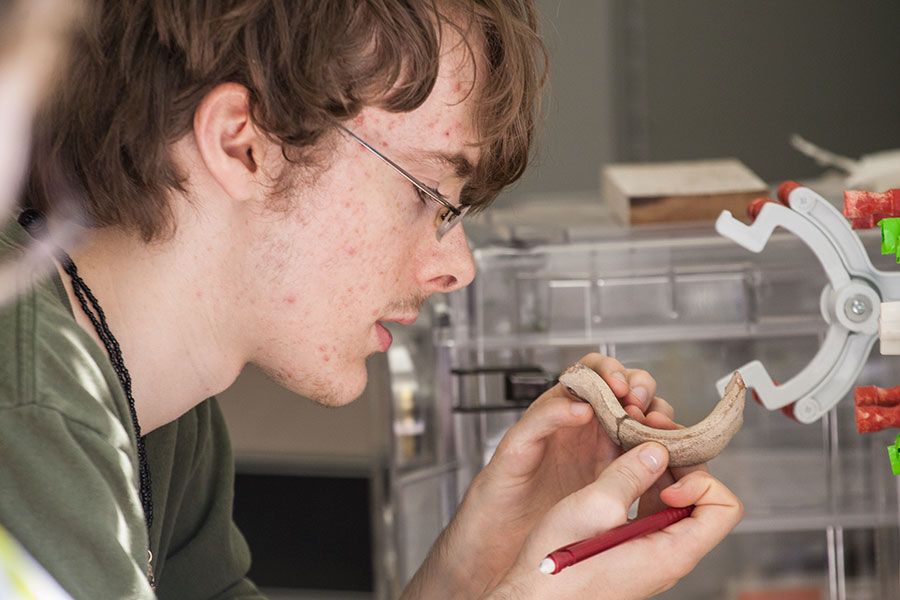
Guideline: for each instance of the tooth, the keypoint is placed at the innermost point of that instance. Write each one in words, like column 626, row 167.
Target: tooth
column 690, row 446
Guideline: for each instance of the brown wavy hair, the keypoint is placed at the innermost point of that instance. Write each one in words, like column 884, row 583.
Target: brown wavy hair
column 139, row 70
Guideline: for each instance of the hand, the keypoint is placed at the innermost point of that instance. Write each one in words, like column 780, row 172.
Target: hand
column 641, row 567
column 661, row 418
column 557, row 448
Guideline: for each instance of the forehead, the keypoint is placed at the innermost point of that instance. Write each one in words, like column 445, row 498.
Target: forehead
column 443, row 126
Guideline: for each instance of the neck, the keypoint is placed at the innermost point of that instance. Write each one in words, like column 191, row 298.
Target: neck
column 162, row 304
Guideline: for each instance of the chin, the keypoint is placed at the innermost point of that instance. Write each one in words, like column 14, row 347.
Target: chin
column 329, row 387
column 339, row 396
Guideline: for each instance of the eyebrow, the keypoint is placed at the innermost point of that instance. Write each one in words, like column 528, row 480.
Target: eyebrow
column 459, row 162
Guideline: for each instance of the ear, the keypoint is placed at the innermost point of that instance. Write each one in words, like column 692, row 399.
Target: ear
column 228, row 142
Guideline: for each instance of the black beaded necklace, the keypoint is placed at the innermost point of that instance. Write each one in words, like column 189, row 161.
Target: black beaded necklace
column 34, row 223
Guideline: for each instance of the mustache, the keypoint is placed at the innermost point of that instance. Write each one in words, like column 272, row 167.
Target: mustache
column 406, row 305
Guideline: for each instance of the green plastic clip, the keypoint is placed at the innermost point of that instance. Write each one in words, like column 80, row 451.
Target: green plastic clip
column 890, row 236
column 894, row 454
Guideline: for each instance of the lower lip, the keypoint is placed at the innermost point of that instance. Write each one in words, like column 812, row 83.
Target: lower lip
column 384, row 337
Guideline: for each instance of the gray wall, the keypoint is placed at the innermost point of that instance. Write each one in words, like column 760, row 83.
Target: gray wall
column 666, row 79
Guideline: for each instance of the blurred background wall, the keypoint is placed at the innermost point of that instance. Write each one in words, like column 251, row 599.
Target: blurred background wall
column 653, row 80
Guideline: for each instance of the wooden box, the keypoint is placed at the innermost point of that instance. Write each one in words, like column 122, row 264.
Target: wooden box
column 642, row 193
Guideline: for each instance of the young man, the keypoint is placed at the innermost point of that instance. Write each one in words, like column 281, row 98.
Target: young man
column 269, row 182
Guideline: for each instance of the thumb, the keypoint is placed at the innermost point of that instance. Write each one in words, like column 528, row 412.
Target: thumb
column 523, row 447
column 632, row 474
column 604, row 503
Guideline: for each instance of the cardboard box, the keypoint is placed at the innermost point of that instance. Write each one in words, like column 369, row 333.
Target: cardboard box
column 642, row 193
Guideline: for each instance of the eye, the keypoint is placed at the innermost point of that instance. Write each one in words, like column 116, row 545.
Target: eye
column 442, row 215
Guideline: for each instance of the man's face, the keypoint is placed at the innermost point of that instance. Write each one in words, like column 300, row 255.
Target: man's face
column 358, row 247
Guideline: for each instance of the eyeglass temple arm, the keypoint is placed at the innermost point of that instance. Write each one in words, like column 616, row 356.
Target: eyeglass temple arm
column 433, row 194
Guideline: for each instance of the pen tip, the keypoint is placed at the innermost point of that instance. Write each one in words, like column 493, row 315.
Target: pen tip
column 548, row 566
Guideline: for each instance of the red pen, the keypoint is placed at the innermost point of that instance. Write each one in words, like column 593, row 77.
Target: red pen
column 567, row 556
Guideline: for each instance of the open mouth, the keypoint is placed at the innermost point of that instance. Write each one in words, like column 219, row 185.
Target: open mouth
column 384, row 336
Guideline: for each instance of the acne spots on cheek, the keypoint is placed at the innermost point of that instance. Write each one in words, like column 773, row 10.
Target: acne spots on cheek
column 290, row 299
column 325, row 352
column 367, row 176
column 301, row 218
column 362, row 287
column 348, row 248
column 349, row 206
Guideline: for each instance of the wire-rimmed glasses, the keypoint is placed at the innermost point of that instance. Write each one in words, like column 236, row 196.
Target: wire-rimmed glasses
column 449, row 218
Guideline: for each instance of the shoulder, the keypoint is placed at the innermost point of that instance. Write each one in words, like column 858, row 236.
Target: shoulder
column 47, row 361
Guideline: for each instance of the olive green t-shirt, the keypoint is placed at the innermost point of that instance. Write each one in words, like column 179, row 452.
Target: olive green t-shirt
column 69, row 471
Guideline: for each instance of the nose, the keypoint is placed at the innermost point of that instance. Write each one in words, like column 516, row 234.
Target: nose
column 450, row 265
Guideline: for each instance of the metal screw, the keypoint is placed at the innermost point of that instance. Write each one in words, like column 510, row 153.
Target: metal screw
column 857, row 308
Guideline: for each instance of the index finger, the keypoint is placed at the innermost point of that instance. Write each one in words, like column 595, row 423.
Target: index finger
column 633, row 387
column 717, row 510
column 611, row 370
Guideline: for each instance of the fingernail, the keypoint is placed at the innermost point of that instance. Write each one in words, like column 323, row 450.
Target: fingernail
column 642, row 395
column 653, row 456
column 675, row 485
column 620, row 376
